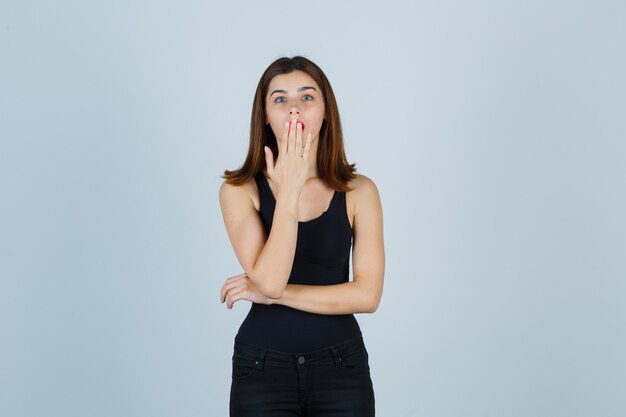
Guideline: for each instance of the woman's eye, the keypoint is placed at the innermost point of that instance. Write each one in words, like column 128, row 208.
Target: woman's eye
column 282, row 99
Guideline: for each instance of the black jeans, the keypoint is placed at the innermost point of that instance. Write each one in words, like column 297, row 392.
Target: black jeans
column 334, row 381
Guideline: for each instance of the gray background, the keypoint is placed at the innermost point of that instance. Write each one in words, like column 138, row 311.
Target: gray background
column 494, row 131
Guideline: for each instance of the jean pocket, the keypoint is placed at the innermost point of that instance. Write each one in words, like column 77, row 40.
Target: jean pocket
column 357, row 360
column 243, row 368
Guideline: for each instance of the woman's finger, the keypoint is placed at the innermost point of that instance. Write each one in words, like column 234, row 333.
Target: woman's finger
column 269, row 160
column 307, row 147
column 226, row 288
column 292, row 137
column 298, row 149
column 223, row 292
column 283, row 143
column 228, row 284
column 233, row 296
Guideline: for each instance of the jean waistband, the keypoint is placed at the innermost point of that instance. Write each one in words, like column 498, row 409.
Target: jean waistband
column 336, row 352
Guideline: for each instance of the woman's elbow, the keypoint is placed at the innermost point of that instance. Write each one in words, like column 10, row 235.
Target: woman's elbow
column 370, row 295
column 271, row 291
column 372, row 307
column 267, row 289
column 373, row 303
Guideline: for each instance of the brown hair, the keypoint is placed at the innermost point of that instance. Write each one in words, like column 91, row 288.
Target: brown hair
column 332, row 165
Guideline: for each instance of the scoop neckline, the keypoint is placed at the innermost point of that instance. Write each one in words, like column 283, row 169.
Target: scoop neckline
column 332, row 200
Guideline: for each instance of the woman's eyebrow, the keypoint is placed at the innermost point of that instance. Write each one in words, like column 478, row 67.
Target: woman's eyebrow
column 299, row 89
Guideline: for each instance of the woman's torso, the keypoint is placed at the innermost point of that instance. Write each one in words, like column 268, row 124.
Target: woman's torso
column 321, row 258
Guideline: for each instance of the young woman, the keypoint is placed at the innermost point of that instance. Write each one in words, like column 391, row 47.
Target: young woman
column 292, row 213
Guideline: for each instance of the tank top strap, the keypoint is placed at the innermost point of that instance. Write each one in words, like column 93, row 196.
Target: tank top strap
column 265, row 192
column 342, row 198
column 339, row 207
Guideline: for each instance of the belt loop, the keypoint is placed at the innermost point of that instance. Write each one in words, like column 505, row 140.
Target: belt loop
column 261, row 360
column 336, row 356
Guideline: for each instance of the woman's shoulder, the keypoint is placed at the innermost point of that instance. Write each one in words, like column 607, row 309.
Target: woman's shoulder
column 238, row 189
column 364, row 194
column 362, row 184
column 240, row 193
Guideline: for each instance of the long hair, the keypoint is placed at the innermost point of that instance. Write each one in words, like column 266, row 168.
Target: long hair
column 332, row 165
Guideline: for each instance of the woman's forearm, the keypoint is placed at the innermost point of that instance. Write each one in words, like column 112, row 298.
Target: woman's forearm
column 346, row 298
column 273, row 266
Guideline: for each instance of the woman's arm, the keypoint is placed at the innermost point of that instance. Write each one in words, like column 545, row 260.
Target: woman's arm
column 346, row 298
column 360, row 295
column 266, row 260
column 363, row 293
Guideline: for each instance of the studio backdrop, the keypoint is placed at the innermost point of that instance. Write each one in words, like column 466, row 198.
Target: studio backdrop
column 494, row 131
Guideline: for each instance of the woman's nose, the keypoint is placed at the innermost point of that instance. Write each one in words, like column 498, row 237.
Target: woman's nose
column 294, row 111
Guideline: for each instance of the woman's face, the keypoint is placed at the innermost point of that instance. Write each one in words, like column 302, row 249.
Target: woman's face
column 294, row 96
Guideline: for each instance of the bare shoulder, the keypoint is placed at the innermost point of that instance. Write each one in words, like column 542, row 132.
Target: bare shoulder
column 362, row 183
column 246, row 194
column 364, row 196
column 363, row 188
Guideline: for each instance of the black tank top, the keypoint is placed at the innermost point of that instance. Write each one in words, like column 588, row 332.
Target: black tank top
column 321, row 258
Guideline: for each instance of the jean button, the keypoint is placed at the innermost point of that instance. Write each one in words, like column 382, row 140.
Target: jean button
column 301, row 360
